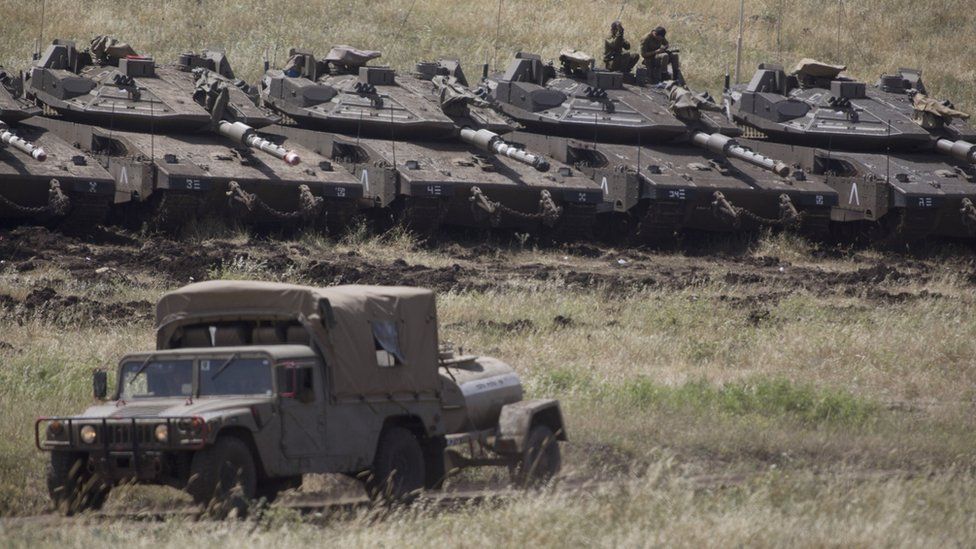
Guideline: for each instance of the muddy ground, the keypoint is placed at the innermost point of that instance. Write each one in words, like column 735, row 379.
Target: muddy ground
column 118, row 257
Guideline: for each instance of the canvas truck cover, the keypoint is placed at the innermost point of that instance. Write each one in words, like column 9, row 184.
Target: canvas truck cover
column 348, row 324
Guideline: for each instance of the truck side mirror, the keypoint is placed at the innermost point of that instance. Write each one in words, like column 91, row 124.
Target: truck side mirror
column 100, row 384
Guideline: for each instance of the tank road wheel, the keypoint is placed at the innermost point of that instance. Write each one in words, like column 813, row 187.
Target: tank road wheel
column 71, row 487
column 398, row 468
column 540, row 459
column 223, row 476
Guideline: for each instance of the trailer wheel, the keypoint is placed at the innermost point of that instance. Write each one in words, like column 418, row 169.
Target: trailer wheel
column 540, row 459
column 398, row 472
column 223, row 474
column 71, row 487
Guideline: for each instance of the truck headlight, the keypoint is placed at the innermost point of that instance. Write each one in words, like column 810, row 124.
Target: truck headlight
column 161, row 433
column 88, row 434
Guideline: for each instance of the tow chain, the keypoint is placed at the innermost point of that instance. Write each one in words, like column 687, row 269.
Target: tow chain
column 788, row 214
column 58, row 203
column 549, row 212
column 309, row 205
column 968, row 211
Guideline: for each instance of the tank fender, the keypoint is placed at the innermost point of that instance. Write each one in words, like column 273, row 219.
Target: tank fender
column 518, row 418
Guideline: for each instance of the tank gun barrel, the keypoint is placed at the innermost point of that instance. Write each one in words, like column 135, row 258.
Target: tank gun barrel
column 240, row 132
column 726, row 146
column 960, row 150
column 490, row 141
column 9, row 138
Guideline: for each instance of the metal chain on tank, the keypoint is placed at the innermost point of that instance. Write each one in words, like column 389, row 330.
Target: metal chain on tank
column 549, row 212
column 57, row 202
column 309, row 205
column 789, row 216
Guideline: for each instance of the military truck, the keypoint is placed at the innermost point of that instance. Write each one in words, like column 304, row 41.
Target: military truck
column 902, row 163
column 254, row 384
column 185, row 136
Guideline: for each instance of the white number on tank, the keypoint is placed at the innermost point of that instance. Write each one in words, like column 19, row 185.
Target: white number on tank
column 193, row 185
column 341, row 192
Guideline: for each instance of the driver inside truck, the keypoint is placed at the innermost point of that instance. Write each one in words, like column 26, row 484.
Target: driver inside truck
column 657, row 56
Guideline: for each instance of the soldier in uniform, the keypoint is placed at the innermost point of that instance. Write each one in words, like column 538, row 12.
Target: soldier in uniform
column 654, row 50
column 616, row 56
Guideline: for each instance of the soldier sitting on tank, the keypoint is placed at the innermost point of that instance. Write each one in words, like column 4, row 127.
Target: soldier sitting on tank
column 295, row 66
column 657, row 57
column 616, row 54
column 106, row 50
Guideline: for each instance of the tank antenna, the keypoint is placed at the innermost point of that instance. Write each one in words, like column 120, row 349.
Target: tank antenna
column 620, row 14
column 40, row 32
column 498, row 30
column 738, row 46
column 403, row 22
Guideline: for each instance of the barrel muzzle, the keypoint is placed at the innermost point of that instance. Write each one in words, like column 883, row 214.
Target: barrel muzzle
column 247, row 136
column 491, row 142
column 728, row 147
column 960, row 150
column 10, row 139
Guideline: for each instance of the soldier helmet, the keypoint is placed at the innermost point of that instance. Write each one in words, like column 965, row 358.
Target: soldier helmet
column 661, row 31
column 616, row 26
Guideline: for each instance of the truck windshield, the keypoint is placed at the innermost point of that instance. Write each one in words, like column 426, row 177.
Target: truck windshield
column 235, row 376
column 162, row 378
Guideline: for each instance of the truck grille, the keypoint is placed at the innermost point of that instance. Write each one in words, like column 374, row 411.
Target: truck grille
column 123, row 433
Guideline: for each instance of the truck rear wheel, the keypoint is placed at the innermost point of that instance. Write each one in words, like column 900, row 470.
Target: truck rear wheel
column 540, row 459
column 398, row 472
column 223, row 472
column 71, row 486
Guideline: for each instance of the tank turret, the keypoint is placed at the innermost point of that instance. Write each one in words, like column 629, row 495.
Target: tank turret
column 899, row 159
column 110, row 85
column 443, row 149
column 610, row 123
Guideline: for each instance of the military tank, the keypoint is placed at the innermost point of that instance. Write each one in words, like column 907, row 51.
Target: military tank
column 186, row 137
column 425, row 145
column 902, row 162
column 43, row 178
column 667, row 159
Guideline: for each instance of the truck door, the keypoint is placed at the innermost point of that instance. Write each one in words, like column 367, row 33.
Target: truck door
column 302, row 399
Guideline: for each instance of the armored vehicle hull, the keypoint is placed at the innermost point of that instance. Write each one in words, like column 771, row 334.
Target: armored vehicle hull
column 900, row 196
column 68, row 188
column 183, row 177
column 445, row 183
column 661, row 189
column 902, row 164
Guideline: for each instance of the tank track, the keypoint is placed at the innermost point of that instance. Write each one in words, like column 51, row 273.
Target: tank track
column 174, row 210
column 576, row 223
column 660, row 224
column 87, row 212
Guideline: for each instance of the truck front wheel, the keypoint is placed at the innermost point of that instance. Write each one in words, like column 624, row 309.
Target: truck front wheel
column 71, row 486
column 398, row 472
column 540, row 459
column 223, row 472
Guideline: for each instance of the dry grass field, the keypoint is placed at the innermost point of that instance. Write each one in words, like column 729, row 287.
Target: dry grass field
column 870, row 36
column 781, row 394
